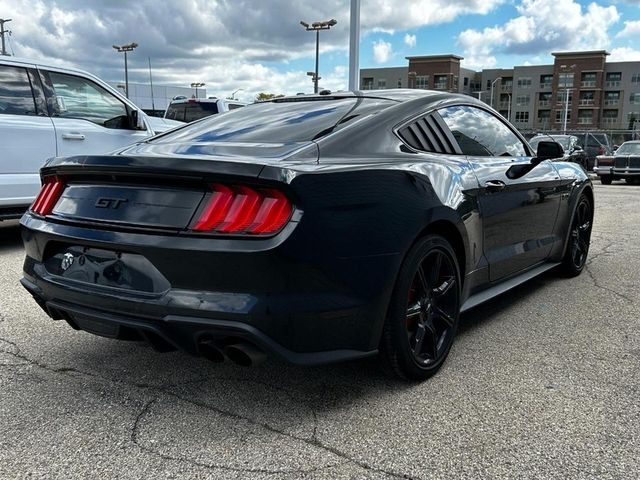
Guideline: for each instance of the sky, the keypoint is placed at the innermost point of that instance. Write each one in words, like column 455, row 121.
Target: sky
column 260, row 46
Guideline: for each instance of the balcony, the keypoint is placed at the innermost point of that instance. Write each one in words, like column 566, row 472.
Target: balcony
column 586, row 102
column 588, row 83
column 507, row 88
column 546, row 86
column 612, row 83
column 544, row 103
column 612, row 102
column 503, row 105
column 585, row 120
column 440, row 86
column 610, row 121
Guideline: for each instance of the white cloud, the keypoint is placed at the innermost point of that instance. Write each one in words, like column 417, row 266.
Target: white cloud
column 543, row 26
column 382, row 51
column 631, row 29
column 410, row 40
column 624, row 54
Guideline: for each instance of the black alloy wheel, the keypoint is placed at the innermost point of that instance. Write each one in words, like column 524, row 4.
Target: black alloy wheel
column 579, row 238
column 424, row 311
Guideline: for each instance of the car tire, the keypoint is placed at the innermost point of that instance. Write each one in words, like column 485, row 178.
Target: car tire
column 424, row 311
column 575, row 257
column 606, row 179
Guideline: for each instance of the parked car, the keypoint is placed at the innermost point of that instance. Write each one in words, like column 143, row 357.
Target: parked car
column 317, row 229
column 595, row 144
column 48, row 111
column 191, row 109
column 573, row 151
column 624, row 163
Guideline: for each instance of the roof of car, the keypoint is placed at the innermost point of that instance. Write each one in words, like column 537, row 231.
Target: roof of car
column 394, row 94
column 42, row 63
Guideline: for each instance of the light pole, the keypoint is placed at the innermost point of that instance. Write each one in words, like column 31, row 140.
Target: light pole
column 196, row 85
column 124, row 49
column 316, row 27
column 509, row 108
column 233, row 95
column 492, row 84
column 2, row 32
column 354, row 46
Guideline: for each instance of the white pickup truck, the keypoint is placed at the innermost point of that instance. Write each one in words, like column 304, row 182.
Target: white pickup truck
column 48, row 111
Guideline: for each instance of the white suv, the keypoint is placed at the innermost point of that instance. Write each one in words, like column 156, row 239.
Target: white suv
column 191, row 109
column 48, row 111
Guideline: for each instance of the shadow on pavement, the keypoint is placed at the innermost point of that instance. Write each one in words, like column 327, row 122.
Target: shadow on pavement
column 10, row 235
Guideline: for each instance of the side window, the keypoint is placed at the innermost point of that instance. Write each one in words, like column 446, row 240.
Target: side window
column 16, row 97
column 233, row 106
column 479, row 133
column 77, row 97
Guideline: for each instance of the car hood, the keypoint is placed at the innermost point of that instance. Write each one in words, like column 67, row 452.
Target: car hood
column 161, row 125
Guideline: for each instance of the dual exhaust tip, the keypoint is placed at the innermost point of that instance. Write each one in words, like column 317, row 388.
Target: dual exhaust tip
column 242, row 353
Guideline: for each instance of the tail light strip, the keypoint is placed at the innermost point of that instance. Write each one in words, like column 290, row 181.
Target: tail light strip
column 240, row 209
column 48, row 197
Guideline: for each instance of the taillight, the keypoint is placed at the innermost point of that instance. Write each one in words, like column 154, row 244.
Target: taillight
column 604, row 161
column 240, row 209
column 48, row 197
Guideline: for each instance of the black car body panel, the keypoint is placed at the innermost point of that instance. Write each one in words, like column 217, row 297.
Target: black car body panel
column 318, row 289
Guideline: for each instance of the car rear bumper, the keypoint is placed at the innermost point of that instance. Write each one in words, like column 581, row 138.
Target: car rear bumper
column 286, row 300
column 602, row 170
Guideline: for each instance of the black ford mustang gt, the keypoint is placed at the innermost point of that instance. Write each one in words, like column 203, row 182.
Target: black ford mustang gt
column 316, row 228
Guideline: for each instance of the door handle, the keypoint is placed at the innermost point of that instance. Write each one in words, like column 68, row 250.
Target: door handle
column 494, row 185
column 73, row 136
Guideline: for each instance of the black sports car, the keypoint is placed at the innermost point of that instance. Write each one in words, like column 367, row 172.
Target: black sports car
column 316, row 228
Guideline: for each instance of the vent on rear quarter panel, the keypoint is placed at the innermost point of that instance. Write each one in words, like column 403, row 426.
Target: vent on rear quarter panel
column 429, row 134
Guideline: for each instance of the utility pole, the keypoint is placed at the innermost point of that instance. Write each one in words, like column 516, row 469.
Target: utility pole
column 566, row 111
column 316, row 27
column 492, row 85
column 153, row 104
column 2, row 32
column 354, row 46
column 124, row 49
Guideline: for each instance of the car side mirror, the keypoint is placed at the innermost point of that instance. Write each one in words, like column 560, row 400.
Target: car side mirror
column 136, row 120
column 577, row 147
column 548, row 150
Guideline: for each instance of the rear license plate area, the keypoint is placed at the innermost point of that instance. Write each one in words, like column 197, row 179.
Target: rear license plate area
column 105, row 268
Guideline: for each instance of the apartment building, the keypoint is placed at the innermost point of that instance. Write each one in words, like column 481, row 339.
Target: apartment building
column 580, row 89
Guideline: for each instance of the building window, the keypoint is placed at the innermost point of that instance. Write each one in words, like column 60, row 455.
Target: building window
column 422, row 81
column 522, row 117
column 489, row 84
column 367, row 83
column 565, row 80
column 611, row 98
column 466, row 81
column 543, row 117
column 635, row 79
column 546, row 81
column 544, row 99
column 613, row 79
column 562, row 96
column 587, row 98
column 609, row 117
column 440, row 82
column 382, row 84
column 522, row 100
column 585, row 117
column 560, row 116
column 399, row 83
column 588, row 79
column 524, row 82
column 634, row 98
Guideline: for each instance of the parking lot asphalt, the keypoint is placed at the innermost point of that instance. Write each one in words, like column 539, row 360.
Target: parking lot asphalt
column 543, row 382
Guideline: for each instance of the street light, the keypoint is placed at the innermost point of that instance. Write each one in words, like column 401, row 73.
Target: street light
column 316, row 27
column 233, row 95
column 124, row 49
column 196, row 85
column 492, row 84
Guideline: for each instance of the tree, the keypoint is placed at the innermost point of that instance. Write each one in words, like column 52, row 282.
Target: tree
column 263, row 96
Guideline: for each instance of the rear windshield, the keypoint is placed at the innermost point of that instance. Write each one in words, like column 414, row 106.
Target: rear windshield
column 189, row 112
column 278, row 122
